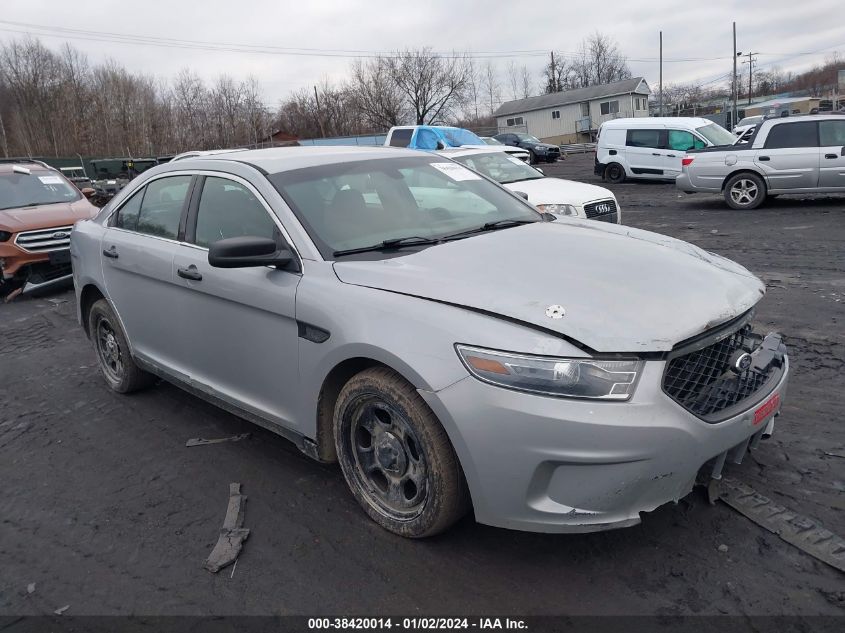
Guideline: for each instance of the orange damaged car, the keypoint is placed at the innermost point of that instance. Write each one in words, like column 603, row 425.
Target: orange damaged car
column 38, row 208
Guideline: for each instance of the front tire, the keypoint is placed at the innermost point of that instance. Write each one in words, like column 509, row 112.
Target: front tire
column 396, row 457
column 532, row 157
column 745, row 191
column 113, row 356
column 614, row 173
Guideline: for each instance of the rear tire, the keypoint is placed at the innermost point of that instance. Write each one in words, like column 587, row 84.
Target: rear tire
column 614, row 173
column 396, row 457
column 119, row 370
column 745, row 191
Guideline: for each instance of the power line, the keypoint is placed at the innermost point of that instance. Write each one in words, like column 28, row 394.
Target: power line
column 165, row 42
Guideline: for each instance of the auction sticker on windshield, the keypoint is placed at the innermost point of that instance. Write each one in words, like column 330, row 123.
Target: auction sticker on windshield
column 50, row 180
column 455, row 171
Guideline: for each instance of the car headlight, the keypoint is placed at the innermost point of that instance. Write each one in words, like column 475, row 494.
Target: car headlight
column 566, row 377
column 559, row 209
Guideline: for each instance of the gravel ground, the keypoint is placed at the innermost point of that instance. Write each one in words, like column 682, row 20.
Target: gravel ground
column 105, row 510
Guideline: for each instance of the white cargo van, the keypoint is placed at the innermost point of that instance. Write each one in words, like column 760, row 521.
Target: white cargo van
column 652, row 147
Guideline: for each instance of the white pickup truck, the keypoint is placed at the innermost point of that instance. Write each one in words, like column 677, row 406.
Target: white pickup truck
column 803, row 154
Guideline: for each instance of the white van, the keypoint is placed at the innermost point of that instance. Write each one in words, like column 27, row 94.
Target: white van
column 652, row 147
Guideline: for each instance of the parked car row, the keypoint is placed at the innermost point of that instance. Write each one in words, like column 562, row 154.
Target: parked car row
column 767, row 157
column 502, row 158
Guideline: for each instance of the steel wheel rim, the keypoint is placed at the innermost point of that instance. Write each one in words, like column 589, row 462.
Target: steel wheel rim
column 614, row 173
column 744, row 191
column 387, row 458
column 108, row 350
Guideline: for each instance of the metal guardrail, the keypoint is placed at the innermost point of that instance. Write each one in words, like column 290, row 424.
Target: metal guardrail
column 577, row 148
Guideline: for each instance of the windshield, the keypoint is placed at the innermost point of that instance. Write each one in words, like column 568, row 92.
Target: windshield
column 458, row 136
column 716, row 134
column 528, row 138
column 356, row 204
column 39, row 187
column 499, row 166
column 750, row 120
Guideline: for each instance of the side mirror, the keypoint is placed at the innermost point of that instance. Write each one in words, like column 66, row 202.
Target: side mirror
column 441, row 144
column 247, row 252
column 842, row 153
column 88, row 192
column 522, row 194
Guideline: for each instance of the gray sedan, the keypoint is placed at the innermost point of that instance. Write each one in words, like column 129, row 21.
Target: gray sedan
column 449, row 346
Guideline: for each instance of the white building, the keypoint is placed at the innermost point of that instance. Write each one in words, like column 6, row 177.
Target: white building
column 574, row 116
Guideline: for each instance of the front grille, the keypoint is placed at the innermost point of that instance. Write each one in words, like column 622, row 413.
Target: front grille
column 595, row 210
column 703, row 383
column 44, row 240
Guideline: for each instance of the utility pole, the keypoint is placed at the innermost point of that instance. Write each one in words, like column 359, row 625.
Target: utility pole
column 751, row 61
column 661, row 73
column 734, row 91
column 319, row 114
column 554, row 84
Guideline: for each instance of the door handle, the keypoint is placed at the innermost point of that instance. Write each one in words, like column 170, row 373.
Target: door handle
column 655, row 154
column 833, row 156
column 190, row 272
column 111, row 253
column 764, row 158
column 670, row 155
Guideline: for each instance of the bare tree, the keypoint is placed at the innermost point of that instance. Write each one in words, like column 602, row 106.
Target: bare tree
column 526, row 81
column 378, row 98
column 433, row 86
column 554, row 73
column 598, row 61
column 492, row 88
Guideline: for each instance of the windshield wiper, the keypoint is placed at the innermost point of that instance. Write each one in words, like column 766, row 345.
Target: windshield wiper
column 509, row 182
column 396, row 242
column 490, row 226
column 36, row 204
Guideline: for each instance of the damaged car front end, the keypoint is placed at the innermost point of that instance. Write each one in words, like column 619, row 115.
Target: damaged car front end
column 38, row 208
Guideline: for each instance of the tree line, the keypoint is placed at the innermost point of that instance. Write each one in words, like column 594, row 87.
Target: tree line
column 57, row 103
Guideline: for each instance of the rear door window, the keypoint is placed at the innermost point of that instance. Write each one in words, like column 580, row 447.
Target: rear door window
column 401, row 138
column 681, row 140
column 832, row 133
column 643, row 138
column 790, row 135
column 161, row 208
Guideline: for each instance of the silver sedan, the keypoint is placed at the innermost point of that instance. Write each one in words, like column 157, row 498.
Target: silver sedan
column 448, row 345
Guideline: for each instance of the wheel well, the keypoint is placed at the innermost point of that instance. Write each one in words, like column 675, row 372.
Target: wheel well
column 742, row 171
column 329, row 392
column 90, row 295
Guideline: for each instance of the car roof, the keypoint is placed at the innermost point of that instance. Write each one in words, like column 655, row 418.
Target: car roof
column 7, row 167
column 652, row 120
column 278, row 159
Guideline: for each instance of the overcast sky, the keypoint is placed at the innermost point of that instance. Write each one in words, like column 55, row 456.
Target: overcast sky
column 778, row 29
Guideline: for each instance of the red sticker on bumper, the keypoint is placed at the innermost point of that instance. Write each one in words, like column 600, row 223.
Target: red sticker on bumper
column 766, row 409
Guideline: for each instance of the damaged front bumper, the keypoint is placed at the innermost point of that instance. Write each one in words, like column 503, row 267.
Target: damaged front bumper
column 559, row 465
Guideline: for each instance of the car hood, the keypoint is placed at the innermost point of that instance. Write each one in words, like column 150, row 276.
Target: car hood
column 623, row 289
column 559, row 191
column 46, row 215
